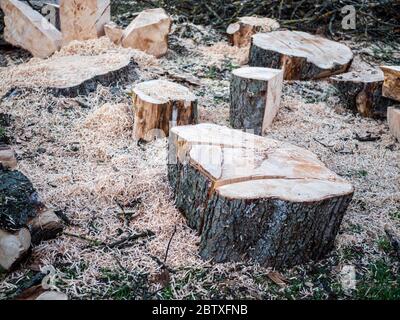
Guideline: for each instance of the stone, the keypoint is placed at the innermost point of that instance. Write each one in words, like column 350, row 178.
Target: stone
column 149, row 32
column 83, row 19
column 7, row 157
column 158, row 105
column 28, row 29
column 240, row 33
column 113, row 32
column 255, row 199
column 394, row 122
column 301, row 55
column 255, row 98
column 13, row 247
column 45, row 226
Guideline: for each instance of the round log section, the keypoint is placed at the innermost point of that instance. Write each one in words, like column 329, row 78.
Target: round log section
column 362, row 92
column 240, row 33
column 394, row 122
column 255, row 98
column 159, row 105
column 302, row 56
column 391, row 86
column 253, row 198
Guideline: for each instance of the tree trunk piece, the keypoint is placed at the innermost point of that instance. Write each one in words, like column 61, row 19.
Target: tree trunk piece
column 255, row 199
column 302, row 56
column 391, row 86
column 255, row 98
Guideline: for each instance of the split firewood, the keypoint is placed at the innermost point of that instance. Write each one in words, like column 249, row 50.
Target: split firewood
column 28, row 29
column 240, row 33
column 149, row 32
column 302, row 56
column 362, row 92
column 391, row 86
column 113, row 32
column 13, row 247
column 255, row 98
column 254, row 198
column 394, row 122
column 75, row 75
column 83, row 19
column 45, row 226
column 159, row 105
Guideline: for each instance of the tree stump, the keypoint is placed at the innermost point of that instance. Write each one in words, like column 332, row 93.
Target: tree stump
column 302, row 56
column 159, row 105
column 391, row 86
column 253, row 198
column 240, row 33
column 394, row 122
column 255, row 98
column 362, row 92
column 149, row 32
column 83, row 19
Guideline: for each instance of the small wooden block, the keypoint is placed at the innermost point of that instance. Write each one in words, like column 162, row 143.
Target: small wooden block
column 149, row 32
column 255, row 98
column 113, row 32
column 240, row 33
column 391, row 86
column 7, row 157
column 159, row 105
column 302, row 56
column 254, row 198
column 394, row 122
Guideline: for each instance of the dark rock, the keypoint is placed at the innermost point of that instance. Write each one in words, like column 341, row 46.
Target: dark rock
column 18, row 200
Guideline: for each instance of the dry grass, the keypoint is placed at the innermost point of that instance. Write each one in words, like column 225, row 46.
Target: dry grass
column 85, row 162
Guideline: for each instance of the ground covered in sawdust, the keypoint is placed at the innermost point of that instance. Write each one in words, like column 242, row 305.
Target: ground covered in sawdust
column 114, row 194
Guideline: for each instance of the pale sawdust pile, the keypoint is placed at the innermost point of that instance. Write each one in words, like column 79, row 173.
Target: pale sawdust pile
column 165, row 91
column 90, row 166
column 218, row 52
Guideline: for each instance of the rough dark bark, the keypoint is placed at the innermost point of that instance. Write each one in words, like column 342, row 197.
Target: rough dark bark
column 270, row 230
column 254, row 102
column 362, row 93
column 263, row 54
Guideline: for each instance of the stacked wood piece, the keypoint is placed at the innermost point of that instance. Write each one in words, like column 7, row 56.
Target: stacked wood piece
column 391, row 86
column 160, row 105
column 240, row 33
column 83, row 19
column 255, row 98
column 362, row 92
column 253, row 198
column 302, row 56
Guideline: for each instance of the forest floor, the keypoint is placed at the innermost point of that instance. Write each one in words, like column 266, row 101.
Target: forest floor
column 80, row 155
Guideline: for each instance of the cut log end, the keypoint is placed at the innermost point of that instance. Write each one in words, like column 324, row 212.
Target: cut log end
column 362, row 92
column 394, row 122
column 391, row 86
column 113, row 32
column 254, row 198
column 255, row 98
column 240, row 33
column 160, row 104
column 302, row 56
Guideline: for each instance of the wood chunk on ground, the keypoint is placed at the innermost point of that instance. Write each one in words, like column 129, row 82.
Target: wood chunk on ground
column 394, row 122
column 302, row 56
column 240, row 33
column 76, row 74
column 253, row 198
column 45, row 226
column 160, row 104
column 255, row 98
column 13, row 247
column 7, row 157
column 28, row 29
column 83, row 19
column 149, row 32
column 113, row 32
column 391, row 86
column 362, row 92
